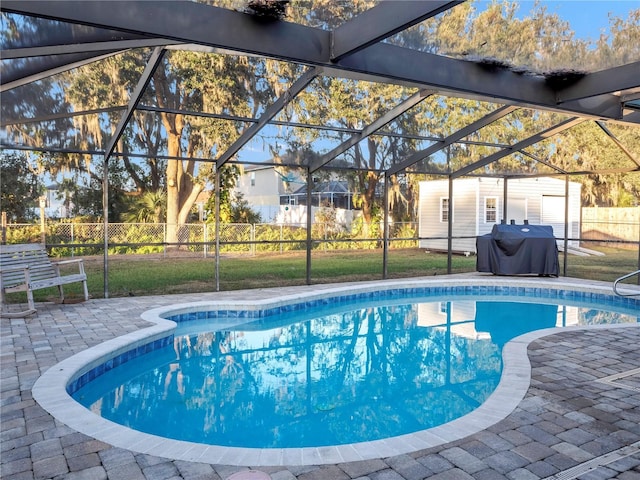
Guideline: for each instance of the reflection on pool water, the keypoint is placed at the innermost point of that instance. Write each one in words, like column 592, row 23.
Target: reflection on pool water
column 324, row 376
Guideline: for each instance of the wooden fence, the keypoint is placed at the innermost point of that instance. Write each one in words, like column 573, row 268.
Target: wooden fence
column 612, row 226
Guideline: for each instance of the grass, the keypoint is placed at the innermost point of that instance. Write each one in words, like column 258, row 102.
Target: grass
column 157, row 275
column 161, row 276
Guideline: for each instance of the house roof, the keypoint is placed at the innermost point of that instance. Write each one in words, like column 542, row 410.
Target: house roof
column 331, row 186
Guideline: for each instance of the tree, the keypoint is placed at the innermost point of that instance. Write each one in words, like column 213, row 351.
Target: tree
column 349, row 105
column 241, row 211
column 185, row 81
column 228, row 176
column 588, row 147
column 21, row 187
column 540, row 44
column 460, row 32
column 148, row 208
column 180, row 148
column 82, row 183
column 192, row 81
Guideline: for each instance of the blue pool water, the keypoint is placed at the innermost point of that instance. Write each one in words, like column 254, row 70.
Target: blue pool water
column 330, row 374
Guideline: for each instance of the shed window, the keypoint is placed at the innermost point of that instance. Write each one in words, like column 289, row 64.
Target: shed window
column 444, row 210
column 253, row 179
column 490, row 209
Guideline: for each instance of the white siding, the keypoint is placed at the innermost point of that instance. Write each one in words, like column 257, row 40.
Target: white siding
column 465, row 212
column 525, row 201
column 549, row 192
column 488, row 187
column 261, row 187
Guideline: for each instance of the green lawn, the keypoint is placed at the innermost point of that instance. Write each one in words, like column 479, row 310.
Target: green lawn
column 160, row 276
column 153, row 275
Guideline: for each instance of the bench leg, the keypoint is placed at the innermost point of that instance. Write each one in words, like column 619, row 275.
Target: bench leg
column 32, row 304
column 61, row 291
column 4, row 308
column 86, row 290
column 7, row 314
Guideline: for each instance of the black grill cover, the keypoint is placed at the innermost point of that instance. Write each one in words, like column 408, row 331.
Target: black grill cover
column 518, row 249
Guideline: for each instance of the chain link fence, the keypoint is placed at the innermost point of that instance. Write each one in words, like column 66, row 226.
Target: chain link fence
column 70, row 239
column 199, row 239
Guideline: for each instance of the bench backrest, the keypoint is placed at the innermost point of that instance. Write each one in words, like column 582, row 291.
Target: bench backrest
column 30, row 255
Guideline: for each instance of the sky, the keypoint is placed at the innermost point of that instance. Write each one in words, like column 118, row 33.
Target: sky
column 588, row 18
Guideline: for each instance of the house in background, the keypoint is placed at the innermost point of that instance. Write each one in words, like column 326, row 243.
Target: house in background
column 264, row 186
column 335, row 193
column 201, row 203
column 57, row 203
column 478, row 204
column 282, row 197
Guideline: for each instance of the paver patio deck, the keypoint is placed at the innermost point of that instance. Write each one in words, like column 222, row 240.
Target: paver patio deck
column 580, row 417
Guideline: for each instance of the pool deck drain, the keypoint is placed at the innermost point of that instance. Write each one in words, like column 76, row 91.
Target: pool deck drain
column 566, row 418
column 614, row 379
column 593, row 464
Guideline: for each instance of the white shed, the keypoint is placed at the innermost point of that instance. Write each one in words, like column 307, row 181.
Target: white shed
column 478, row 204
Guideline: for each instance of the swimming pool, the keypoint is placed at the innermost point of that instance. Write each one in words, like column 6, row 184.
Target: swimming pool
column 501, row 402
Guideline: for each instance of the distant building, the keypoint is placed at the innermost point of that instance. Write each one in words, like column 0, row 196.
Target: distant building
column 262, row 187
column 282, row 198
column 201, row 202
column 57, row 204
column 332, row 193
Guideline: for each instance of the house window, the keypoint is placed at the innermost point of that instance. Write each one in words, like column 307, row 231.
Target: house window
column 444, row 210
column 490, row 210
column 253, row 179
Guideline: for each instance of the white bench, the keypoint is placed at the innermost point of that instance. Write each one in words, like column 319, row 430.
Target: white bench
column 27, row 267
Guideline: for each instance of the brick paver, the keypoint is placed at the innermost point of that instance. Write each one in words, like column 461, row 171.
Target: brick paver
column 566, row 418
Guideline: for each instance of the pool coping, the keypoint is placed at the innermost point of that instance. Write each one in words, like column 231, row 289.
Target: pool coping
column 51, row 393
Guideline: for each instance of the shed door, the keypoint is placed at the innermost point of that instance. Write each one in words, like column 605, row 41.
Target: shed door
column 553, row 213
column 517, row 210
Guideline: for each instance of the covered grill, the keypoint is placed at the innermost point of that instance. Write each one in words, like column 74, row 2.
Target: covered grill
column 512, row 249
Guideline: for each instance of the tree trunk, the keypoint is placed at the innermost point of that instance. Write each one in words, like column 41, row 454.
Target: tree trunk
column 182, row 191
column 173, row 195
column 368, row 181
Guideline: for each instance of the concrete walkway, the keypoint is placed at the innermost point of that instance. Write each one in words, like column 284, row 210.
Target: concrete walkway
column 580, row 418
